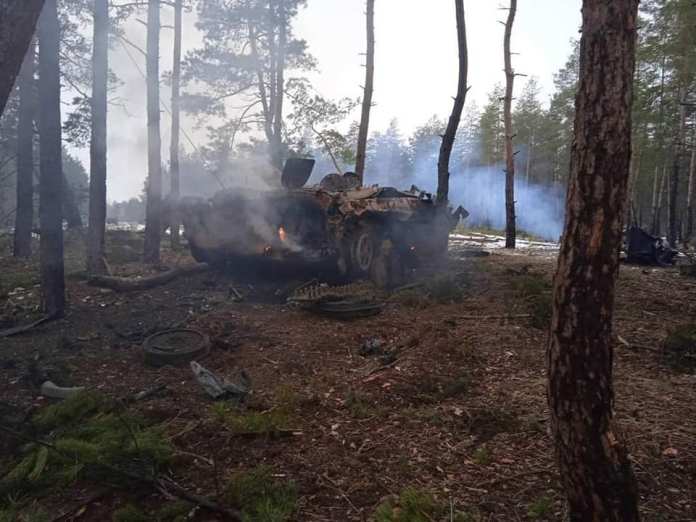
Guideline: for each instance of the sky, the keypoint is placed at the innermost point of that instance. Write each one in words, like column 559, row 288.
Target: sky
column 415, row 69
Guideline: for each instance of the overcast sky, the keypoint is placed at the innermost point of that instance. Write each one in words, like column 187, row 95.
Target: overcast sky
column 415, row 71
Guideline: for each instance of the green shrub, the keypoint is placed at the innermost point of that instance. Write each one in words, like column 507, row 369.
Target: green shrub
column 260, row 497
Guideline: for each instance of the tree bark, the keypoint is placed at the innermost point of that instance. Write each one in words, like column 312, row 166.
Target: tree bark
column 594, row 465
column 364, row 128
column 154, row 141
column 51, row 164
column 456, row 115
column 174, row 191
column 510, row 227
column 690, row 195
column 678, row 147
column 277, row 145
column 97, row 144
column 24, row 216
column 17, row 24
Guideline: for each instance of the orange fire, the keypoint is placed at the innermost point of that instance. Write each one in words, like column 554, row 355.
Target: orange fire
column 282, row 234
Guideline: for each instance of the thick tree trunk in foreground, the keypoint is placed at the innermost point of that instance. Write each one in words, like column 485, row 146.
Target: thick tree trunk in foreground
column 24, row 216
column 595, row 469
column 51, row 164
column 97, row 144
column 510, row 226
column 364, row 129
column 174, row 189
column 154, row 141
column 17, row 24
column 456, row 116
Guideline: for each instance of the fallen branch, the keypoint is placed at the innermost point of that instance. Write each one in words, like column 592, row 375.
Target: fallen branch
column 487, row 317
column 129, row 284
column 164, row 485
column 25, row 328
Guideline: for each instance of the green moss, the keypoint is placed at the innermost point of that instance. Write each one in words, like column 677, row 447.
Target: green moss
column 89, row 440
column 415, row 505
column 680, row 346
column 482, row 456
column 260, row 497
column 540, row 508
column 130, row 513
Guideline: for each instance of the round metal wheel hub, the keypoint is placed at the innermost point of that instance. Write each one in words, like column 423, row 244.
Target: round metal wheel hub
column 364, row 251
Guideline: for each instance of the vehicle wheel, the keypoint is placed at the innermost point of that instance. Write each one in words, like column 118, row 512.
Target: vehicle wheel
column 364, row 249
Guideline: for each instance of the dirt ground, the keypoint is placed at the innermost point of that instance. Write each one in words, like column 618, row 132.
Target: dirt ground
column 458, row 409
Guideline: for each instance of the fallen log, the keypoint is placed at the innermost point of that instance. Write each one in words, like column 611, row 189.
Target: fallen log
column 25, row 328
column 129, row 284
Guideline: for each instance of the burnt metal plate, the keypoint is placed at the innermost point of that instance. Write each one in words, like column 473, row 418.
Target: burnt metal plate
column 296, row 172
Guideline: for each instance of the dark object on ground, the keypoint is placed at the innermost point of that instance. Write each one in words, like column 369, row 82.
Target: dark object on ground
column 175, row 347
column 688, row 270
column 128, row 284
column 347, row 309
column 221, row 388
column 336, row 225
column 644, row 249
column 371, row 346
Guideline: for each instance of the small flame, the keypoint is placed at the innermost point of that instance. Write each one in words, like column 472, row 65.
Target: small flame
column 282, row 234
column 268, row 250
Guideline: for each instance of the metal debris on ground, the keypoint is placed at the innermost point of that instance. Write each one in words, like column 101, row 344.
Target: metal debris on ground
column 221, row 388
column 340, row 302
column 644, row 249
column 53, row 391
column 174, row 347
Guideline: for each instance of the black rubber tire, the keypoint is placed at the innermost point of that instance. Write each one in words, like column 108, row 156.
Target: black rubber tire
column 364, row 245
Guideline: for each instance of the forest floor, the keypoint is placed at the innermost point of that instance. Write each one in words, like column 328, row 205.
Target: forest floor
column 453, row 425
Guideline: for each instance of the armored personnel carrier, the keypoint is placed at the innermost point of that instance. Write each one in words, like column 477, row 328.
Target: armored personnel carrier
column 363, row 232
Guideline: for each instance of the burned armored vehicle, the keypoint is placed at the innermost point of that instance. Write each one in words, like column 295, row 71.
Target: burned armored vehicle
column 362, row 232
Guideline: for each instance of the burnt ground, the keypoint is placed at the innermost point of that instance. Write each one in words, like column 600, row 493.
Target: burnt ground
column 460, row 413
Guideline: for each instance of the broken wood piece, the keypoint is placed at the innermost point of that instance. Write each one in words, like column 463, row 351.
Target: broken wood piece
column 487, row 317
column 129, row 284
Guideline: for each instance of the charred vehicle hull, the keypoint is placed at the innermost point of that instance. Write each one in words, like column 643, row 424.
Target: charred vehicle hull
column 375, row 232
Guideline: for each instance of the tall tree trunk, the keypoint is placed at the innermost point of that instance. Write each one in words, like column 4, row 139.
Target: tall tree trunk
column 24, row 216
column 51, row 164
column 17, row 24
column 174, row 191
column 653, row 206
column 97, row 144
column 678, row 147
column 634, row 170
column 690, row 195
column 364, row 128
column 154, row 141
column 510, row 227
column 456, row 115
column 594, row 465
column 277, row 145
column 660, row 200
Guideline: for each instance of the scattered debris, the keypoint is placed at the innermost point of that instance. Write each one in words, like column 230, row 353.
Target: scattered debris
column 175, row 347
column 644, row 249
column 53, row 391
column 219, row 388
column 129, row 284
column 339, row 302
